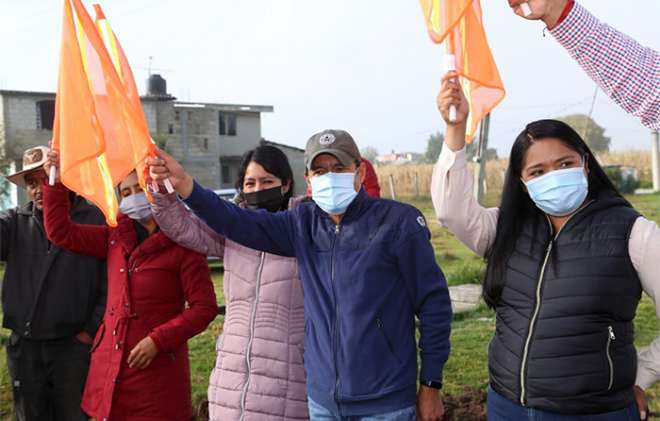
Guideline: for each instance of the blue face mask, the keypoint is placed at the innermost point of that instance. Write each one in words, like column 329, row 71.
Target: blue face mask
column 560, row 192
column 333, row 192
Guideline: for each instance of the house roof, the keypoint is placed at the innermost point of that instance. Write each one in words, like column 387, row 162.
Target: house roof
column 244, row 108
column 241, row 108
column 7, row 92
column 281, row 145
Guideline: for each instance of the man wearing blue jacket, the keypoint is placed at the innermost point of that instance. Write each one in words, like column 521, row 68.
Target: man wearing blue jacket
column 367, row 268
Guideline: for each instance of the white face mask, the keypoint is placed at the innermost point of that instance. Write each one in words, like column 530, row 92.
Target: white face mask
column 136, row 207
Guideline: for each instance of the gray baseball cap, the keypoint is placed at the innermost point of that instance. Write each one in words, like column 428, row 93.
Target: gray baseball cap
column 337, row 143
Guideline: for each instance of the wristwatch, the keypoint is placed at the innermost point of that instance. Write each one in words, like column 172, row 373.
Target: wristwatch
column 431, row 383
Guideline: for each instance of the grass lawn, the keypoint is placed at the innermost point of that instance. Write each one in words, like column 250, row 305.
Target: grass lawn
column 471, row 332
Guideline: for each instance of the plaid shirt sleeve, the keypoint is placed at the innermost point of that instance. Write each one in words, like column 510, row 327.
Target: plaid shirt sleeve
column 627, row 71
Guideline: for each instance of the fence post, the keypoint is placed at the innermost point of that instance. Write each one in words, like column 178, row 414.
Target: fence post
column 416, row 184
column 392, row 192
column 480, row 169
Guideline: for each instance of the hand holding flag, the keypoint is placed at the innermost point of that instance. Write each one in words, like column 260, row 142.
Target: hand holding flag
column 451, row 97
column 51, row 166
column 458, row 24
column 164, row 167
column 548, row 11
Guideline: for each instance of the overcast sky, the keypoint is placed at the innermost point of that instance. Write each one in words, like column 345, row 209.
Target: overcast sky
column 366, row 66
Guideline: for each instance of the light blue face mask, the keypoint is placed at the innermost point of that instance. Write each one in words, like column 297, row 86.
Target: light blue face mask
column 560, row 192
column 137, row 207
column 333, row 192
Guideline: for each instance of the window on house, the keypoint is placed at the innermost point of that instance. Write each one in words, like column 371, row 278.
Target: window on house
column 177, row 116
column 222, row 127
column 225, row 173
column 227, row 124
column 206, row 144
column 170, row 129
column 45, row 114
column 231, row 125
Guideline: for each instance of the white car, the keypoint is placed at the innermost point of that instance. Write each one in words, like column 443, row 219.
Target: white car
column 227, row 194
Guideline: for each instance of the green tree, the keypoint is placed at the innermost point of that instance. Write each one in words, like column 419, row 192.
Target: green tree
column 591, row 132
column 369, row 153
column 433, row 147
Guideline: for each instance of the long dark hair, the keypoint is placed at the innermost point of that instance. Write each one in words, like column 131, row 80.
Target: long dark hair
column 517, row 208
column 274, row 161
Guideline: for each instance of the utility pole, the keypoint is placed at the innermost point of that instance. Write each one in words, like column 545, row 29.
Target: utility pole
column 480, row 159
column 655, row 160
column 587, row 121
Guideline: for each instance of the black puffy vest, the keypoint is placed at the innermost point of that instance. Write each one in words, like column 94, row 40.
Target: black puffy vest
column 564, row 331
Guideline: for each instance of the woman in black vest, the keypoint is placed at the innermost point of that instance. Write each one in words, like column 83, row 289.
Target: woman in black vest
column 568, row 258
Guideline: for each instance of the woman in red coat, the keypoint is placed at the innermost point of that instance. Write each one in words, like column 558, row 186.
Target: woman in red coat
column 139, row 364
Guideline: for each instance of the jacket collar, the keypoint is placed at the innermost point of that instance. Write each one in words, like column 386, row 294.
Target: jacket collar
column 27, row 209
column 128, row 238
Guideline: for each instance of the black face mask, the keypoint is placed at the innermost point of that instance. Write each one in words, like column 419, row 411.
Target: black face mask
column 269, row 199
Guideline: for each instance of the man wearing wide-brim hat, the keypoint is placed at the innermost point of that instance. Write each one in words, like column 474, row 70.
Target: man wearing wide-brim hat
column 52, row 301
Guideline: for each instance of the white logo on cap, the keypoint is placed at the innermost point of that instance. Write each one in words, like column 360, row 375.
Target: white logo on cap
column 421, row 221
column 327, row 139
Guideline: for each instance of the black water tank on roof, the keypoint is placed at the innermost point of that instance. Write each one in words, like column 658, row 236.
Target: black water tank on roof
column 156, row 86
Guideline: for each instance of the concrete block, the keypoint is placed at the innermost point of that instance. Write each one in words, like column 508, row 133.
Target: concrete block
column 465, row 297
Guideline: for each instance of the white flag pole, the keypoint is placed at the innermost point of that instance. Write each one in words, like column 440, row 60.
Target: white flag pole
column 527, row 11
column 52, row 173
column 450, row 66
column 168, row 186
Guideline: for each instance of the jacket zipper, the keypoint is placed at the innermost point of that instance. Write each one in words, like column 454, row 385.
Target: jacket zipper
column 610, row 337
column 537, row 307
column 335, row 333
column 539, row 284
column 253, row 318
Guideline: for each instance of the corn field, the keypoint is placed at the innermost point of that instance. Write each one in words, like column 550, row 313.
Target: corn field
column 415, row 180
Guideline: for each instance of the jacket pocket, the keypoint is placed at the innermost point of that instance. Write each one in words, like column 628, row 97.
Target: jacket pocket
column 381, row 329
column 611, row 337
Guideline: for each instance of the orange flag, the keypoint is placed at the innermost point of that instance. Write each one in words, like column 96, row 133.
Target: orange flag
column 126, row 75
column 459, row 24
column 99, row 130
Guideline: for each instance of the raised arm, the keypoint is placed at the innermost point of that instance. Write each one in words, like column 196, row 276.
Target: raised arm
column 184, row 227
column 91, row 240
column 625, row 70
column 451, row 183
column 260, row 230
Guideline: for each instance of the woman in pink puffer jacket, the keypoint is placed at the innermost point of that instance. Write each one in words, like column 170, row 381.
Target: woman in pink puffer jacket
column 258, row 373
